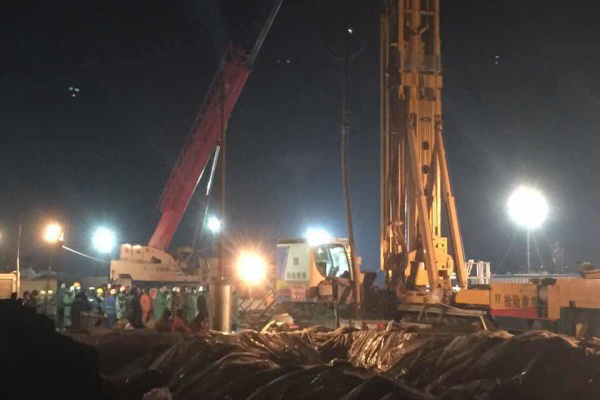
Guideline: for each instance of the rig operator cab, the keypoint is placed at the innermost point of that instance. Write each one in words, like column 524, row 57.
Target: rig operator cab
column 314, row 272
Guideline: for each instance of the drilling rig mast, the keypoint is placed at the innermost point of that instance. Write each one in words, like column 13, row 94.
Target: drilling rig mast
column 414, row 173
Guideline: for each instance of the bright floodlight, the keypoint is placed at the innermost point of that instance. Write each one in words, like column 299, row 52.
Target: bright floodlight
column 527, row 207
column 104, row 240
column 251, row 267
column 317, row 236
column 214, row 224
column 53, row 233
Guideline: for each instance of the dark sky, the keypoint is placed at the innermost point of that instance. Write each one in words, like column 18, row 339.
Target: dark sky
column 529, row 115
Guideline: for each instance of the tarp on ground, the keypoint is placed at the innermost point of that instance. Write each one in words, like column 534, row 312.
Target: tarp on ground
column 494, row 365
column 364, row 364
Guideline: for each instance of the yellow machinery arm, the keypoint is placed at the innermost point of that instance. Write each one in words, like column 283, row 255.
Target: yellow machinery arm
column 414, row 170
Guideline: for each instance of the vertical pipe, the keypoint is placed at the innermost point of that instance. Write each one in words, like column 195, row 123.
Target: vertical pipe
column 221, row 286
column 528, row 252
column 222, row 176
column 19, row 262
column 49, row 266
column 345, row 131
column 383, row 115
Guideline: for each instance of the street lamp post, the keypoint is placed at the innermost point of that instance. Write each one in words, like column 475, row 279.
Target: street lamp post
column 19, row 262
column 53, row 235
column 528, row 208
column 528, row 250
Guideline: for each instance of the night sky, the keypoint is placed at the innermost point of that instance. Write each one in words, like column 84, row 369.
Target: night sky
column 521, row 104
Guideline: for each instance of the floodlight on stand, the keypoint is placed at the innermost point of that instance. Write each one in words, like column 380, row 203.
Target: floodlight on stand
column 53, row 233
column 104, row 240
column 527, row 207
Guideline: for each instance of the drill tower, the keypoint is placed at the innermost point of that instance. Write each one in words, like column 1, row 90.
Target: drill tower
column 414, row 173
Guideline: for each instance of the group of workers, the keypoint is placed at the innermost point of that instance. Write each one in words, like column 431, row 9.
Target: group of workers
column 163, row 309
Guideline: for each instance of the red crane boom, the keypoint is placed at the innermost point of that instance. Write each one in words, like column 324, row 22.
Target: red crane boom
column 205, row 133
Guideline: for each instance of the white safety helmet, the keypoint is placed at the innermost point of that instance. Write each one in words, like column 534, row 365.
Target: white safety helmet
column 176, row 289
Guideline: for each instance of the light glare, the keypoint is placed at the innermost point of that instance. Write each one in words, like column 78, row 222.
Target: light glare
column 214, row 224
column 527, row 207
column 251, row 267
column 317, row 236
column 104, row 240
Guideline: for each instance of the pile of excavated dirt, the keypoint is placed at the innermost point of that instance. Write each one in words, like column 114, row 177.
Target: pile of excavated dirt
column 362, row 364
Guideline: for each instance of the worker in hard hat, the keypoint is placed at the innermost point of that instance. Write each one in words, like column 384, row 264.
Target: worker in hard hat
column 202, row 304
column 50, row 305
column 160, row 303
column 68, row 299
column 110, row 308
column 121, row 303
column 97, row 301
column 32, row 302
column 135, row 312
column 60, row 305
column 129, row 298
column 189, row 304
column 80, row 305
column 174, row 300
column 41, row 302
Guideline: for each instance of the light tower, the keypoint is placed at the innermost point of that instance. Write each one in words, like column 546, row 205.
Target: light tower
column 527, row 207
